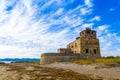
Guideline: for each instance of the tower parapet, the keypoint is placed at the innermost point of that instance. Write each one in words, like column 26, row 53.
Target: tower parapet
column 88, row 33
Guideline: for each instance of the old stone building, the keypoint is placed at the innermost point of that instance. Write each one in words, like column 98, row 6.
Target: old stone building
column 85, row 46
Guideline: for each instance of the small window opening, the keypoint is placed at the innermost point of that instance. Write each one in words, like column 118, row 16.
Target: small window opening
column 88, row 32
column 71, row 46
column 94, row 51
column 87, row 50
column 75, row 51
column 93, row 32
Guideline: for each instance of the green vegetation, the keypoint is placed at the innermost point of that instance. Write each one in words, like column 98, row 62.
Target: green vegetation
column 2, row 63
column 104, row 60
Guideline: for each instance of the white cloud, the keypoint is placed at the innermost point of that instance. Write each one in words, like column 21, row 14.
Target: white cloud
column 85, row 11
column 102, row 28
column 87, row 25
column 108, row 41
column 26, row 31
column 18, row 52
column 89, row 3
column 96, row 18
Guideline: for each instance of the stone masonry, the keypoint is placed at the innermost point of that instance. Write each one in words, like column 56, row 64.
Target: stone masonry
column 86, row 46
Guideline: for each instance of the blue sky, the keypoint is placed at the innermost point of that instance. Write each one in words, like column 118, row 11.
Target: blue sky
column 31, row 27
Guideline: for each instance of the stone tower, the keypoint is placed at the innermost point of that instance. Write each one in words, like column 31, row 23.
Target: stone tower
column 87, row 44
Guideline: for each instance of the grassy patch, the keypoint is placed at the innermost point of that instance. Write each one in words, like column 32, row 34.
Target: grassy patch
column 2, row 63
column 82, row 61
column 106, row 61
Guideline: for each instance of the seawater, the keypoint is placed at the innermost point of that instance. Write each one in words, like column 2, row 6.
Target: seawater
column 6, row 61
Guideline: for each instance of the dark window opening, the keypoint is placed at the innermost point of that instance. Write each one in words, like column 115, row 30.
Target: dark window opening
column 75, row 51
column 94, row 51
column 87, row 50
column 71, row 46
column 88, row 31
column 93, row 32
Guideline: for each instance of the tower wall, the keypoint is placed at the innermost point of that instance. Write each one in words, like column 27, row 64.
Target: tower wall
column 86, row 44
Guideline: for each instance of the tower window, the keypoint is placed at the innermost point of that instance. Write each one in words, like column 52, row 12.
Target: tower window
column 93, row 32
column 87, row 50
column 71, row 46
column 95, row 51
column 75, row 51
column 88, row 32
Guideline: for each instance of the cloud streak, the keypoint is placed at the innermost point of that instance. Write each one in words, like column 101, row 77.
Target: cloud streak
column 29, row 28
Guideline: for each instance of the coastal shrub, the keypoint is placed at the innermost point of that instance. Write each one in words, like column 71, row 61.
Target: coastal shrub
column 110, row 57
column 2, row 63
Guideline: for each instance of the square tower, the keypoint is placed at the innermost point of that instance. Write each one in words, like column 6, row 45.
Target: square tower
column 87, row 44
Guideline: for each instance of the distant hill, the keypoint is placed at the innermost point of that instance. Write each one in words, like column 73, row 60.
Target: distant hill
column 20, row 60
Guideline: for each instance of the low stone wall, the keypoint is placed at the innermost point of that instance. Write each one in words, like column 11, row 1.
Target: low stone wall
column 48, row 58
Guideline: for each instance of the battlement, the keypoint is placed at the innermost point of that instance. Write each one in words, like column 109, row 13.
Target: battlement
column 88, row 33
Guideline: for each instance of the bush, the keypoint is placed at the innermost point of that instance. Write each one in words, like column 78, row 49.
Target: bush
column 110, row 57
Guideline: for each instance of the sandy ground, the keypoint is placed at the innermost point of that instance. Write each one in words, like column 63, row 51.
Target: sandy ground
column 29, row 71
column 100, row 72
column 58, row 71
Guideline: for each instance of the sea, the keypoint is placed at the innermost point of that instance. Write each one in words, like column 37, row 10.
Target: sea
column 15, row 60
column 6, row 61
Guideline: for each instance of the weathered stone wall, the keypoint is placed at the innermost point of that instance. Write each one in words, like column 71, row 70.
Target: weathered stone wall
column 48, row 58
column 64, row 50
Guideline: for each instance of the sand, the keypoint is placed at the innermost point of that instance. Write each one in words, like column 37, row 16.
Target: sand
column 101, row 72
column 58, row 71
column 31, row 71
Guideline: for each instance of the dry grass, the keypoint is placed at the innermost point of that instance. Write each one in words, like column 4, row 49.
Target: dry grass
column 106, row 61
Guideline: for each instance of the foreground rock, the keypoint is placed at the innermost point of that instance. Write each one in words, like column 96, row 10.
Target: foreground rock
column 30, row 71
